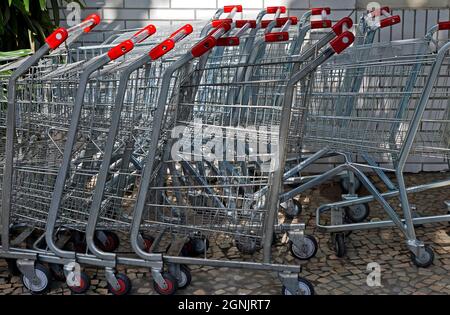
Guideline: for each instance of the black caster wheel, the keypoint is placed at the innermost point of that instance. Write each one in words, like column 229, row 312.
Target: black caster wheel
column 339, row 244
column 12, row 267
column 293, row 209
column 307, row 250
column 304, row 288
column 148, row 242
column 425, row 260
column 246, row 245
column 111, row 243
column 195, row 246
column 57, row 272
column 357, row 213
column 83, row 283
column 185, row 277
column 124, row 283
column 171, row 285
column 344, row 182
column 43, row 280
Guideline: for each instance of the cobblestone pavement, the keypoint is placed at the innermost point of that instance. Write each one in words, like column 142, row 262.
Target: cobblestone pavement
column 329, row 274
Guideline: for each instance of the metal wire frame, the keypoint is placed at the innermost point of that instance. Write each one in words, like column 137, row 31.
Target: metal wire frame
column 377, row 119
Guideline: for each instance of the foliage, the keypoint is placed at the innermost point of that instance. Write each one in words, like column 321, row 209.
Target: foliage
column 26, row 23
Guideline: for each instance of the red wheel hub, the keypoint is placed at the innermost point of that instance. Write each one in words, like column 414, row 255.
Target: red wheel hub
column 122, row 289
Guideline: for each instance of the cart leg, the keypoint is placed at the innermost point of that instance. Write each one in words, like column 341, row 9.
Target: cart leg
column 422, row 256
column 111, row 278
column 26, row 267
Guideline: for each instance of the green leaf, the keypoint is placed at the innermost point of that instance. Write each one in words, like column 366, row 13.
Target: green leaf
column 43, row 4
column 9, row 2
column 26, row 3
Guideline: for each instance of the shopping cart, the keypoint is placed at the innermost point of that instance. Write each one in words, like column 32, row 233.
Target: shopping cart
column 39, row 114
column 398, row 108
column 178, row 203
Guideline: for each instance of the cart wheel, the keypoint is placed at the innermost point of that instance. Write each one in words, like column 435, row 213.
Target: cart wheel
column 12, row 267
column 304, row 288
column 293, row 209
column 357, row 213
column 339, row 244
column 125, row 285
column 85, row 283
column 425, row 260
column 111, row 244
column 246, row 245
column 57, row 272
column 344, row 184
column 195, row 246
column 308, row 249
column 171, row 282
column 148, row 242
column 43, row 275
column 185, row 277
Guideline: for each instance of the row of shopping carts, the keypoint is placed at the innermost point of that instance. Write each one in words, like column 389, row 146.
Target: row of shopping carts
column 169, row 142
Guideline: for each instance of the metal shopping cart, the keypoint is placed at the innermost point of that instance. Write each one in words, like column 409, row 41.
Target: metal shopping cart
column 400, row 108
column 38, row 117
column 178, row 203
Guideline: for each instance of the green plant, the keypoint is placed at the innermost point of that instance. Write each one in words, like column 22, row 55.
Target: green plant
column 26, row 23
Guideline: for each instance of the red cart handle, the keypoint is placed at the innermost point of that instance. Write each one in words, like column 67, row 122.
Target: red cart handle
column 346, row 22
column 218, row 22
column 229, row 8
column 209, row 41
column 276, row 37
column 95, row 21
column 182, row 31
column 145, row 32
column 320, row 24
column 57, row 38
column 242, row 23
column 395, row 19
column 273, row 10
column 168, row 44
column 342, row 41
column 228, row 41
column 445, row 25
column 319, row 11
column 127, row 45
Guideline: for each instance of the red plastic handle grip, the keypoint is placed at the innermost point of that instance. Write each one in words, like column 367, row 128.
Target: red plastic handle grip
column 186, row 29
column 149, row 30
column 57, row 38
column 342, row 41
column 228, row 41
column 224, row 25
column 203, row 46
column 273, row 10
column 444, row 25
column 161, row 49
column 390, row 21
column 229, row 8
column 320, row 24
column 276, row 37
column 241, row 23
column 217, row 23
column 121, row 49
column 338, row 28
column 318, row 11
column 95, row 21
